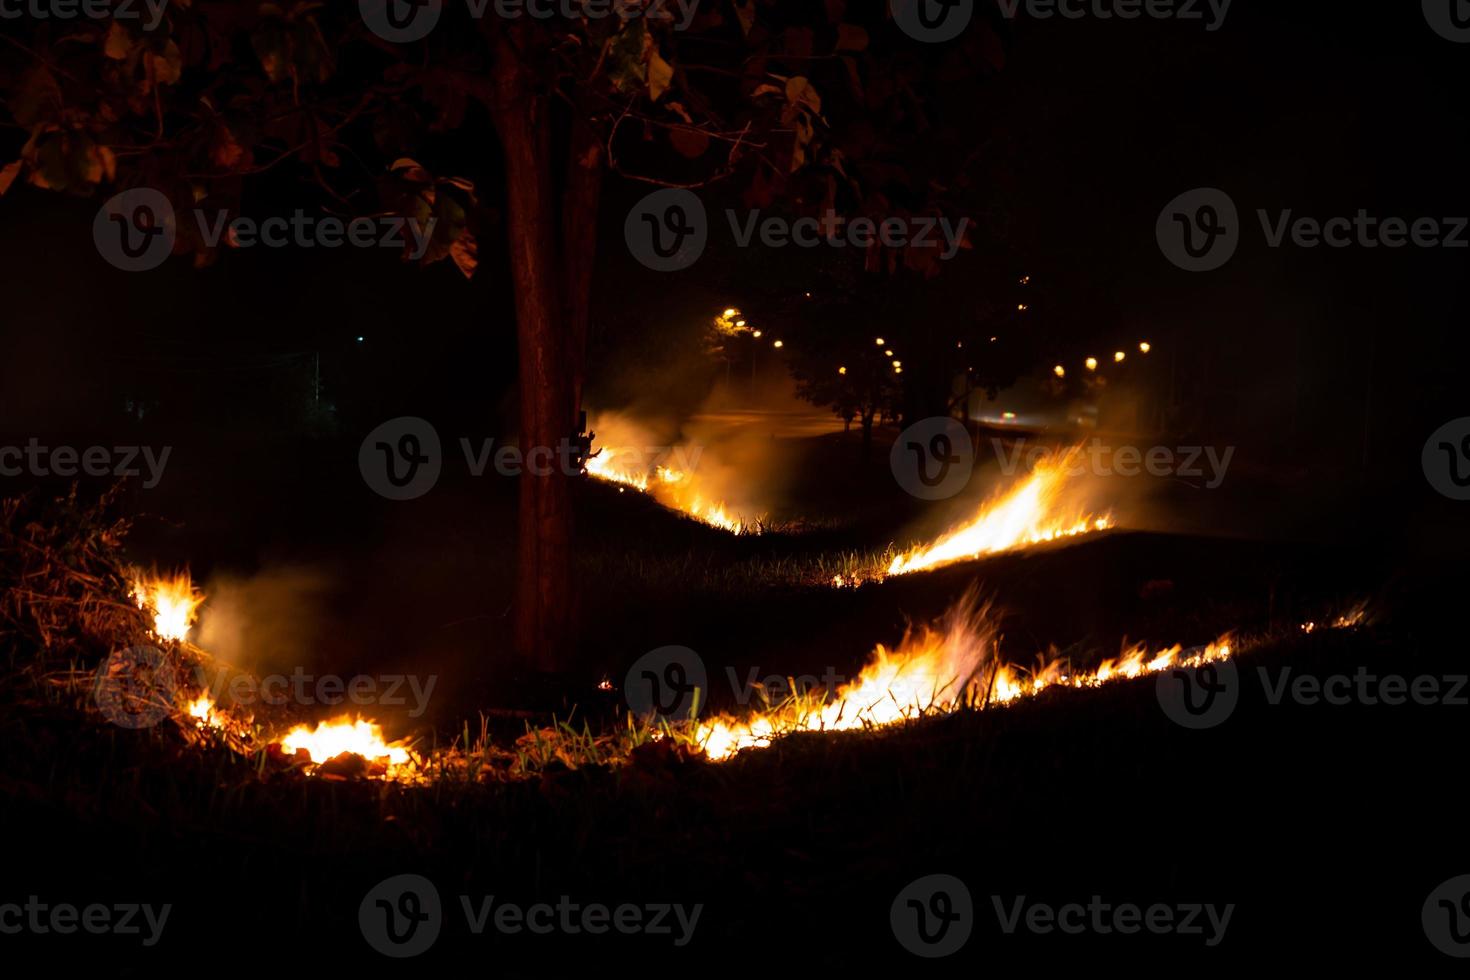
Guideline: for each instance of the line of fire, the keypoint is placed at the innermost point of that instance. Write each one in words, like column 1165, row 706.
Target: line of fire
column 545, row 486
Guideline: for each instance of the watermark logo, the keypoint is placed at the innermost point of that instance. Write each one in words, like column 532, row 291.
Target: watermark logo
column 932, row 459
column 135, row 687
column 1446, row 459
column 1180, row 10
column 120, row 10
column 667, row 231
column 1199, row 230
column 1450, row 19
column 1446, row 917
column 401, row 459
column 401, row 916
column 932, row 21
column 135, row 231
column 933, row 916
column 1103, row 918
column 668, row 683
column 1201, row 696
column 69, row 461
column 64, row 919
column 401, row 21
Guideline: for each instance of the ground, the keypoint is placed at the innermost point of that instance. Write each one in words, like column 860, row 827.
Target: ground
column 1324, row 826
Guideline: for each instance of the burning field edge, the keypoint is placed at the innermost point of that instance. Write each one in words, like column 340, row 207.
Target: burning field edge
column 83, row 628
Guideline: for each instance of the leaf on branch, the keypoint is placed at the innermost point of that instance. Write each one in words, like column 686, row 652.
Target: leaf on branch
column 466, row 254
column 660, row 74
column 8, row 175
column 117, row 43
column 690, row 143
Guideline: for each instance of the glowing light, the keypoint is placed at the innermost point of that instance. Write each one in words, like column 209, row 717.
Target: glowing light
column 331, row 738
column 1091, row 363
column 1059, row 371
column 1021, row 307
column 879, row 341
column 1144, row 347
column 731, row 312
column 173, row 603
column 1118, row 356
column 1028, row 513
column 842, row 370
column 778, row 344
column 756, row 335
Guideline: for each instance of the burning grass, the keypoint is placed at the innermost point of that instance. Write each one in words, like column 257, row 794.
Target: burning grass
column 67, row 610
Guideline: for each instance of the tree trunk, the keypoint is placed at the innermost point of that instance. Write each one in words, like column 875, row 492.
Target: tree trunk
column 544, row 611
column 579, row 242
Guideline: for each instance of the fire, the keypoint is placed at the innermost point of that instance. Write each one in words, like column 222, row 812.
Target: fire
column 331, row 738
column 1026, row 514
column 173, row 602
column 674, row 488
column 202, row 710
column 937, row 671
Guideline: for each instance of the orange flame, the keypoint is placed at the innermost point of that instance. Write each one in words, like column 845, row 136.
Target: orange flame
column 172, row 601
column 1026, row 514
column 331, row 738
column 675, row 489
column 935, row 671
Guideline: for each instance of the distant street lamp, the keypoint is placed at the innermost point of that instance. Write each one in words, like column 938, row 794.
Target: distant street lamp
column 1144, row 347
column 1091, row 363
column 1118, row 356
column 1059, row 371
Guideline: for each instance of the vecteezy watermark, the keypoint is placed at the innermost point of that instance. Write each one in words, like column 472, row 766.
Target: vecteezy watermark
column 1099, row 458
column 1101, row 918
column 1446, row 917
column 1450, row 19
column 150, row 12
column 135, row 687
column 402, row 459
column 406, row 21
column 932, row 459
column 1200, row 696
column 1200, row 230
column 136, row 231
column 932, row 21
column 402, row 916
column 35, row 459
column 668, row 230
column 932, row 916
column 672, row 683
column 1211, row 12
column 1204, row 696
column 306, row 689
column 1446, row 459
column 64, row 919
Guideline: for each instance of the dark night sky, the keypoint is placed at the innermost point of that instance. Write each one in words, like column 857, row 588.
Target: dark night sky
column 1094, row 125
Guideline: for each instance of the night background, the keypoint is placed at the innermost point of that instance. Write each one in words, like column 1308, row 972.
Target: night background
column 787, row 534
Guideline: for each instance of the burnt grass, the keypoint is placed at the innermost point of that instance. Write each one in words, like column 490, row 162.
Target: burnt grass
column 1326, row 826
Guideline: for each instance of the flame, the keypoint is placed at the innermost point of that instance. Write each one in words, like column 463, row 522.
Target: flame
column 173, row 602
column 932, row 670
column 674, row 488
column 202, row 710
column 1026, row 514
column 331, row 738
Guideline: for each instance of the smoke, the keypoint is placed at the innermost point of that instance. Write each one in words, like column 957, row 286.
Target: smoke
column 266, row 622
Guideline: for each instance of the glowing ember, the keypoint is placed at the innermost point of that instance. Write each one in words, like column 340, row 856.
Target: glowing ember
column 331, row 738
column 674, row 488
column 173, row 602
column 1026, row 514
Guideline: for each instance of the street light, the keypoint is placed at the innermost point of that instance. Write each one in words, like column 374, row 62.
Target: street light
column 731, row 312
column 879, row 341
column 842, row 370
column 778, row 344
column 1059, row 371
column 1118, row 356
column 1144, row 347
column 1091, row 363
